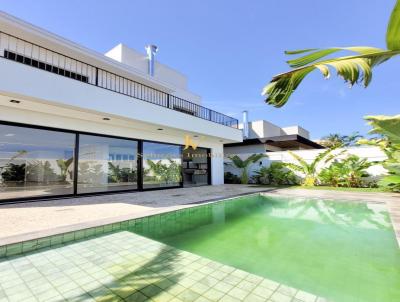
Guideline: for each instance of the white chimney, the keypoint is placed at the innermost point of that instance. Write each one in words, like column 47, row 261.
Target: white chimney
column 245, row 124
column 151, row 52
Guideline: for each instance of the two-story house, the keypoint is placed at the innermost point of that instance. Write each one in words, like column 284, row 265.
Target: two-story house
column 74, row 121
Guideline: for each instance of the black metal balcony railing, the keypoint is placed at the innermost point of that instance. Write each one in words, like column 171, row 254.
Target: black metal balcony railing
column 19, row 50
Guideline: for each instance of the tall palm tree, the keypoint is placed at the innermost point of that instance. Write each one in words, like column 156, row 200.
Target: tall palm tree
column 338, row 140
column 243, row 165
column 332, row 140
column 353, row 68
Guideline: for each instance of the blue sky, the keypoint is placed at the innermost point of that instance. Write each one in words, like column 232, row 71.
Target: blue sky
column 231, row 49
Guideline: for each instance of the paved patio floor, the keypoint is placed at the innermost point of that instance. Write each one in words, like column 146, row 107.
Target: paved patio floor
column 29, row 220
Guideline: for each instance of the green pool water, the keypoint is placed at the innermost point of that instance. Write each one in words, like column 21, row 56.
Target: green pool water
column 343, row 251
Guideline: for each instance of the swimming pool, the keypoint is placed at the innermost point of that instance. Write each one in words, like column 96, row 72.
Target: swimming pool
column 250, row 248
column 344, row 251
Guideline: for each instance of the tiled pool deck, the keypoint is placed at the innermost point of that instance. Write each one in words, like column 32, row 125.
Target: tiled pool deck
column 123, row 266
column 118, row 265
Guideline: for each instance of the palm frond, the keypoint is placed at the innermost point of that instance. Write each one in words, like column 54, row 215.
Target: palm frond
column 294, row 167
column 320, row 157
column 386, row 125
column 237, row 161
column 393, row 29
column 300, row 160
column 353, row 69
column 253, row 158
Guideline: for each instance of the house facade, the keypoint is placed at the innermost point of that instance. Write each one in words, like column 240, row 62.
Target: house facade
column 75, row 122
column 263, row 136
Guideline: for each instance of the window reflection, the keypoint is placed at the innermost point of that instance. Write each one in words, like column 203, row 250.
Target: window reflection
column 162, row 165
column 35, row 162
column 195, row 167
column 106, row 164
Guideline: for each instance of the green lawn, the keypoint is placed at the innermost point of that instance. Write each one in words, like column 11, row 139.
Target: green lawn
column 341, row 189
column 332, row 188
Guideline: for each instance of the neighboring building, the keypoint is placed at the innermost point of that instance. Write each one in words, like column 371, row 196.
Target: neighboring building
column 262, row 136
column 73, row 121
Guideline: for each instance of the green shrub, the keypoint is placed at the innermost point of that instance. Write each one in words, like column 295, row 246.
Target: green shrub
column 230, row 178
column 349, row 172
column 275, row 174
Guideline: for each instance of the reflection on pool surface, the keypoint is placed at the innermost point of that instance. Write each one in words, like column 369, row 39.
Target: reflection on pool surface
column 339, row 250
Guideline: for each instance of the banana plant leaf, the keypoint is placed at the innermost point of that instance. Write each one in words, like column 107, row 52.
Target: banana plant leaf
column 354, row 69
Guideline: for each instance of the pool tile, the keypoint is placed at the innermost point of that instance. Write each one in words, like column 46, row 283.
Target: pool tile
column 188, row 295
column 238, row 293
column 14, row 249
column 263, row 292
column 136, row 297
column 246, row 285
column 163, row 297
column 228, row 298
column 279, row 297
column 233, row 280
column 289, row 291
column 199, row 288
column 305, row 297
column 269, row 284
column 254, row 298
column 223, row 287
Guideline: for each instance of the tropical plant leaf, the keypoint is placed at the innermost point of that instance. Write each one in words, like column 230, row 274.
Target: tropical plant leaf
column 237, row 161
column 353, row 69
column 300, row 160
column 294, row 167
column 393, row 29
column 390, row 180
column 296, row 52
column 386, row 125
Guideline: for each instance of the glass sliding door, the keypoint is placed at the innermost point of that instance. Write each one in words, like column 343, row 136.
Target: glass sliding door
column 196, row 167
column 106, row 164
column 35, row 162
column 162, row 165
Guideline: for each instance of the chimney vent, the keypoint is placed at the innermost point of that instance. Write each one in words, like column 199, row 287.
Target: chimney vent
column 151, row 51
column 245, row 124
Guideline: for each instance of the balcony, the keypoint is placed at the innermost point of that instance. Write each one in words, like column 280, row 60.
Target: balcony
column 27, row 53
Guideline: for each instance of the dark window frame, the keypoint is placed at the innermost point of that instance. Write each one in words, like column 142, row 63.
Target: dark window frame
column 75, row 194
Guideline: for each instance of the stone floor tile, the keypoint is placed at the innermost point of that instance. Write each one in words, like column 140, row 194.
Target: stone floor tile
column 305, row 297
column 188, row 295
column 263, row 291
column 213, row 294
column 279, row 297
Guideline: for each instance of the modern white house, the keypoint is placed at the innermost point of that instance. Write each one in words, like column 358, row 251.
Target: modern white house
column 263, row 136
column 74, row 121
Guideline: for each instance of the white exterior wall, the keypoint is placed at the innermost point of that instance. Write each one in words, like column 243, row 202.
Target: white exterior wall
column 296, row 130
column 370, row 153
column 164, row 73
column 263, row 128
column 44, row 88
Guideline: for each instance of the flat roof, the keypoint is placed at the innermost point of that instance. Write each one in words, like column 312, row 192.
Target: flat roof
column 283, row 141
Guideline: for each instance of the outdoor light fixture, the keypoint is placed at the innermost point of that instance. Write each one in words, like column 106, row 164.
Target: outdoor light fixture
column 15, row 101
